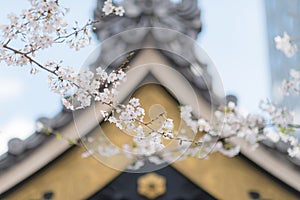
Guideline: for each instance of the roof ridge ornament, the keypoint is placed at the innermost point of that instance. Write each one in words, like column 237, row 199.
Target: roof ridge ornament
column 183, row 17
column 169, row 27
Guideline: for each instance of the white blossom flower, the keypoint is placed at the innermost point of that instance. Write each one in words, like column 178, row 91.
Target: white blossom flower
column 13, row 19
column 121, row 75
column 134, row 102
column 292, row 85
column 112, row 77
column 101, row 72
column 185, row 115
column 231, row 105
column 108, row 7
column 67, row 104
column 167, row 129
column 286, row 45
column 294, row 151
column 203, row 126
column 295, row 74
column 119, row 11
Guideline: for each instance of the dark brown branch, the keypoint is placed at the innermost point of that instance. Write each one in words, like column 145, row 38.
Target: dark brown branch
column 31, row 60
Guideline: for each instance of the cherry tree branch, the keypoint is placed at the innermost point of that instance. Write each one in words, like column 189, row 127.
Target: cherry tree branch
column 31, row 60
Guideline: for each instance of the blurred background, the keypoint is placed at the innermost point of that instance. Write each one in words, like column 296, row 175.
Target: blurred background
column 237, row 35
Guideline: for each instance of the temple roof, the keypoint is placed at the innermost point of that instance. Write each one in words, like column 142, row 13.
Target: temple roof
column 169, row 27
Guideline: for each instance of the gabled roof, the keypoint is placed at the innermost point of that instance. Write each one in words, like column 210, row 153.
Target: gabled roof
column 177, row 51
column 71, row 177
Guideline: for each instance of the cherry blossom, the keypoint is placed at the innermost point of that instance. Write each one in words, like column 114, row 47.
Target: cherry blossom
column 294, row 151
column 119, row 11
column 40, row 27
column 229, row 123
column 292, row 85
column 273, row 123
column 109, row 8
column 78, row 89
column 286, row 45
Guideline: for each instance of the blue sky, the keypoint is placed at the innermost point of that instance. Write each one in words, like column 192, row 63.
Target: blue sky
column 24, row 97
column 233, row 36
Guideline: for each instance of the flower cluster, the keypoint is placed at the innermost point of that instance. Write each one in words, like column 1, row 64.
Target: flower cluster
column 292, row 85
column 275, row 124
column 40, row 27
column 36, row 24
column 281, row 118
column 219, row 135
column 282, row 126
column 286, row 45
column 228, row 124
column 148, row 143
column 78, row 89
column 81, row 36
column 105, row 149
column 196, row 125
column 147, row 139
column 36, row 29
column 129, row 115
column 109, row 8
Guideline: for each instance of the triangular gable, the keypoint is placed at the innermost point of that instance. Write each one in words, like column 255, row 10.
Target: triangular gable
column 71, row 177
